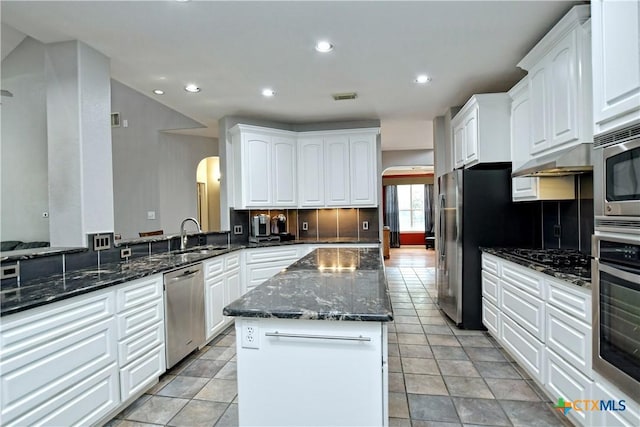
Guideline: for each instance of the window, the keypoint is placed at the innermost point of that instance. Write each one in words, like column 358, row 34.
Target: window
column 411, row 207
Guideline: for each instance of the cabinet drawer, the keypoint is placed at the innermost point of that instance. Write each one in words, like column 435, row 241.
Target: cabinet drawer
column 490, row 287
column 523, row 278
column 573, row 301
column 83, row 403
column 213, row 267
column 525, row 309
column 570, row 338
column 491, row 264
column 140, row 343
column 563, row 380
column 490, row 317
column 42, row 325
column 231, row 261
column 142, row 372
column 271, row 255
column 138, row 292
column 44, row 371
column 604, row 390
column 256, row 274
column 139, row 318
column 523, row 346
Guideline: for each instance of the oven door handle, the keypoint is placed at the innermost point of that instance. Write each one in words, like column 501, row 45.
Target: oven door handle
column 624, row 273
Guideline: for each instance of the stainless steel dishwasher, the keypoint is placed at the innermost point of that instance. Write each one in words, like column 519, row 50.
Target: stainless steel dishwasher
column 184, row 312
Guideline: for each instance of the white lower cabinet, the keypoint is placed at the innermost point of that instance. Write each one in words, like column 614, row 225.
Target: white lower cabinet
column 490, row 317
column 524, row 308
column 528, row 351
column 565, row 381
column 569, row 338
column 77, row 361
column 54, row 357
column 141, row 355
column 550, row 336
column 262, row 264
column 222, row 285
column 623, row 411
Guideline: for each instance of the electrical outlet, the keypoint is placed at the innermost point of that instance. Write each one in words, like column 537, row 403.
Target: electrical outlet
column 151, row 214
column 125, row 253
column 237, row 229
column 556, row 231
column 250, row 334
column 305, row 226
column 365, row 225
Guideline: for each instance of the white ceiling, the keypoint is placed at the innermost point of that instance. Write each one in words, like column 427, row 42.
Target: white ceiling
column 233, row 50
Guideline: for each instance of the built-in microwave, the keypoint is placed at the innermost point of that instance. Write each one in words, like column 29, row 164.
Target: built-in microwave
column 617, row 181
column 616, row 310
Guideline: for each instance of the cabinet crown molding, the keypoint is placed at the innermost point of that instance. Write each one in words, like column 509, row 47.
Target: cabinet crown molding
column 271, row 131
column 578, row 15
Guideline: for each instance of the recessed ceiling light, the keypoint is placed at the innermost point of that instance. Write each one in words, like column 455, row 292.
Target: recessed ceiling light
column 423, row 78
column 158, row 92
column 192, row 88
column 268, row 92
column 324, row 46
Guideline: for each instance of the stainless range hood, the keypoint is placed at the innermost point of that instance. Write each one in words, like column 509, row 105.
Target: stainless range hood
column 571, row 161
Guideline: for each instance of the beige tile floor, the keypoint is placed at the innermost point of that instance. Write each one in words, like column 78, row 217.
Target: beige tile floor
column 438, row 375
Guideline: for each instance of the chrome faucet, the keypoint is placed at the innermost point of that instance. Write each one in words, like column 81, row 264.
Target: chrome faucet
column 183, row 233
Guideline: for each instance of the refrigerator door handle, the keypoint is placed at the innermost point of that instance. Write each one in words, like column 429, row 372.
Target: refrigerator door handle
column 441, row 237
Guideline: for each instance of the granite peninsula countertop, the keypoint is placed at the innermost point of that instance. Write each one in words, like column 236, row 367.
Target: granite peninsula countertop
column 576, row 276
column 46, row 290
column 327, row 284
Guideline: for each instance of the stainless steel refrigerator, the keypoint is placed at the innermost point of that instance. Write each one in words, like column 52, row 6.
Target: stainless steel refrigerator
column 475, row 210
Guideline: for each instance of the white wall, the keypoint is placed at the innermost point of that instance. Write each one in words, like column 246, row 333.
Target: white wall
column 23, row 145
column 179, row 158
column 406, row 158
column 79, row 142
column 148, row 165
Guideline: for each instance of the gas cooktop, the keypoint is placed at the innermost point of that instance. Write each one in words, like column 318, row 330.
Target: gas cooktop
column 563, row 260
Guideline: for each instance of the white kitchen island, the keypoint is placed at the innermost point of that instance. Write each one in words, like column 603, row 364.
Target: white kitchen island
column 312, row 343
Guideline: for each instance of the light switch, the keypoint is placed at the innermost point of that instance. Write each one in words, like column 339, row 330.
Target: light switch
column 151, row 214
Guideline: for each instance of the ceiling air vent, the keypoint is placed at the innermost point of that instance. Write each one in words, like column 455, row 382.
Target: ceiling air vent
column 344, row 96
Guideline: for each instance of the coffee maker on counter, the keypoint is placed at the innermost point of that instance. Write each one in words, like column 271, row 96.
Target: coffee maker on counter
column 279, row 227
column 261, row 229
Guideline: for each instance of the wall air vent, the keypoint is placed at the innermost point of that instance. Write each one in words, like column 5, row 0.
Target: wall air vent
column 617, row 137
column 115, row 120
column 344, row 96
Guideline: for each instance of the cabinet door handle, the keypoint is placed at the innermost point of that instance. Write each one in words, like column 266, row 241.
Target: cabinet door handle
column 317, row 337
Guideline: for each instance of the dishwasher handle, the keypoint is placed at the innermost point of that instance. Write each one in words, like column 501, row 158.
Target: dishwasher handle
column 184, row 275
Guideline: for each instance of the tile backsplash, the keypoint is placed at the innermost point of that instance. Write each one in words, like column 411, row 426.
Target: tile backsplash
column 568, row 224
column 314, row 224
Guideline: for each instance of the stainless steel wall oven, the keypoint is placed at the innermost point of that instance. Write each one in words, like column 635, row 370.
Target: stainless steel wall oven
column 616, row 310
column 617, row 181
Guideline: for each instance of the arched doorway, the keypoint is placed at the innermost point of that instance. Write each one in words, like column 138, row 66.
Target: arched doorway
column 208, row 186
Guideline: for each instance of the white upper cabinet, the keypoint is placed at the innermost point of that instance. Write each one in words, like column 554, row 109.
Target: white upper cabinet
column 615, row 32
column 337, row 170
column 275, row 168
column 264, row 167
column 560, row 85
column 283, row 161
column 311, row 171
column 363, row 170
column 480, row 130
column 523, row 188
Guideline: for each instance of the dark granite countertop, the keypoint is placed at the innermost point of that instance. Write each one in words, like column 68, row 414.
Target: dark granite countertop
column 576, row 276
column 327, row 284
column 57, row 287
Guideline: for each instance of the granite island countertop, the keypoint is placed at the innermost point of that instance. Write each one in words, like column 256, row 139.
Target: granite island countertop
column 577, row 276
column 45, row 290
column 327, row 284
